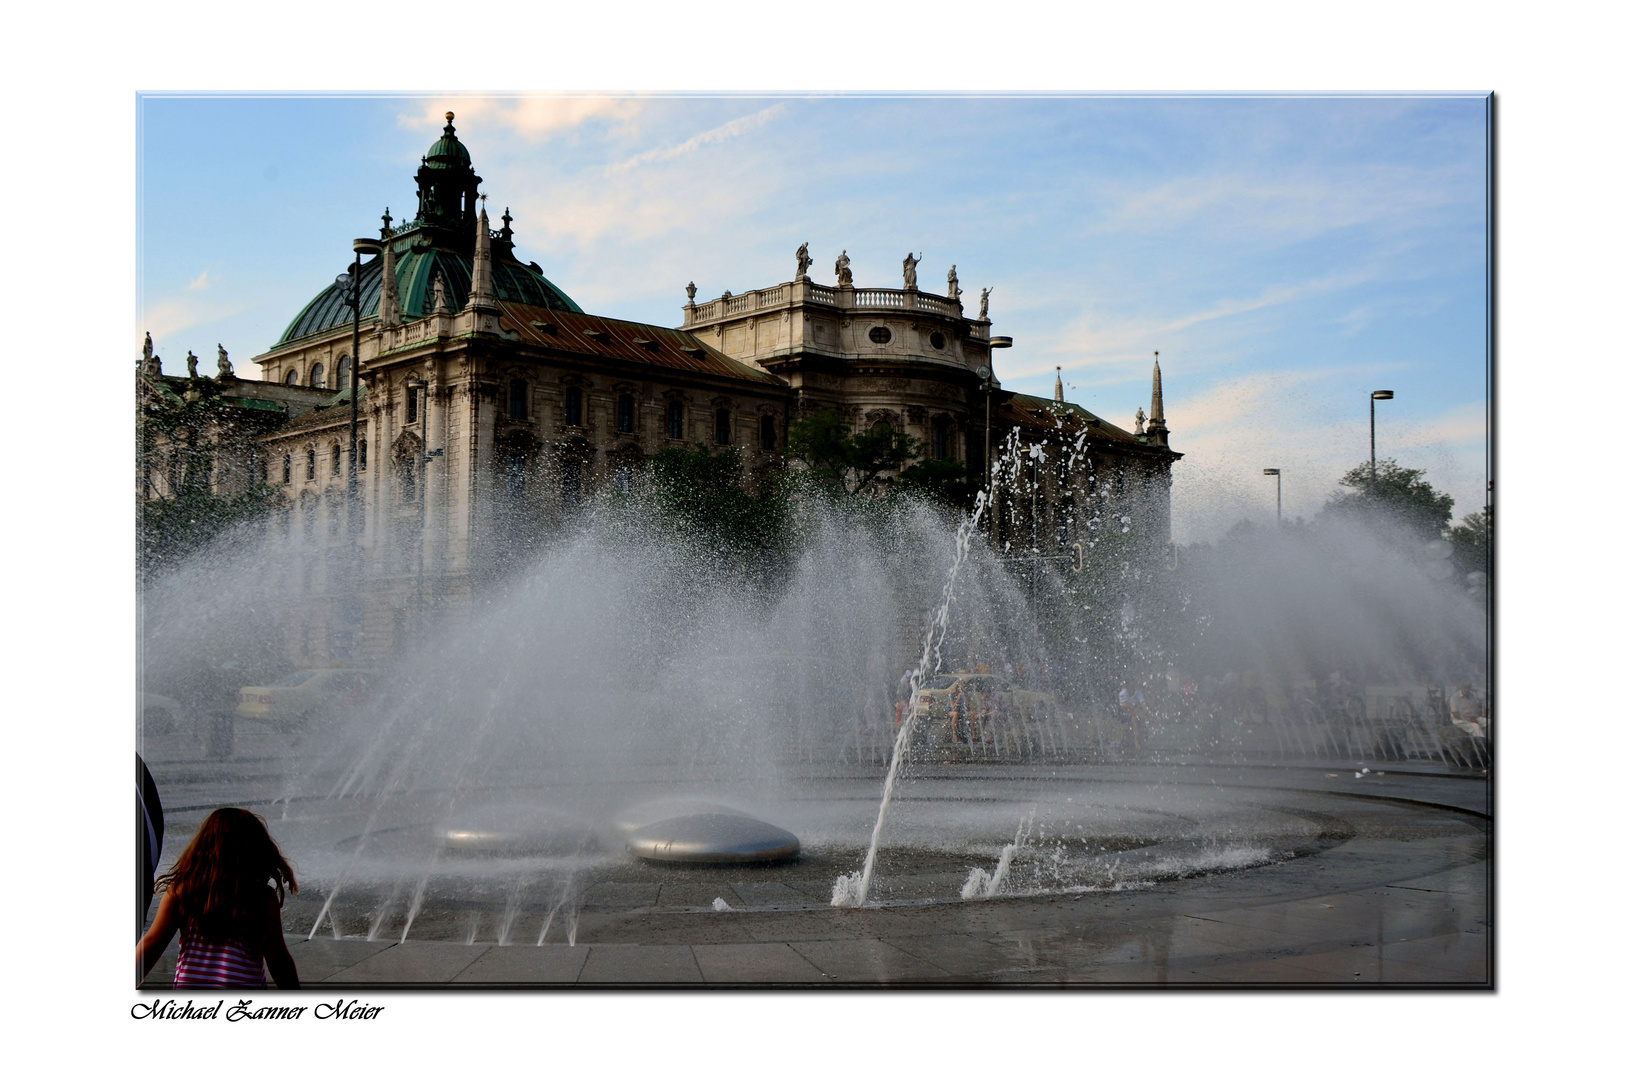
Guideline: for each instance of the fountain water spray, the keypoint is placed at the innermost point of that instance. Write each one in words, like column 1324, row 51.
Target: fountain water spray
column 850, row 890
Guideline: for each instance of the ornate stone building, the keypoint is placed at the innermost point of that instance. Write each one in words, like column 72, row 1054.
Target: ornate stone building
column 491, row 405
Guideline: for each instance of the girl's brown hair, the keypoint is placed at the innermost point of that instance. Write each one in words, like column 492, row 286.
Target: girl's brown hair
column 220, row 880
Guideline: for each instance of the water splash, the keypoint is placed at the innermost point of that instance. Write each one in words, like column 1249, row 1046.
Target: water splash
column 851, row 890
column 986, row 885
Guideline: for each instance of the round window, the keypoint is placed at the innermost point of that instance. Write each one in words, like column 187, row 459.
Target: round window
column 937, row 340
column 880, row 335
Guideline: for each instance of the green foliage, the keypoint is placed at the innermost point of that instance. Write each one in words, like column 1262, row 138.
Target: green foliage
column 1471, row 540
column 708, row 493
column 191, row 516
column 945, row 480
column 1400, row 495
column 847, row 462
column 172, row 529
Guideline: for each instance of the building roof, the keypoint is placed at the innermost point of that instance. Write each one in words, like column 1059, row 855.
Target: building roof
column 628, row 342
column 417, row 263
column 1040, row 415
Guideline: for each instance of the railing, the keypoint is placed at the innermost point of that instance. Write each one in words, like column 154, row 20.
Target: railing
column 859, row 299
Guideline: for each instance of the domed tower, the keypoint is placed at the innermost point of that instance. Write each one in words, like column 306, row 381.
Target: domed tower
column 448, row 189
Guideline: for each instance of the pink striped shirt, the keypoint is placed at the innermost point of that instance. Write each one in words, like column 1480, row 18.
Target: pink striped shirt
column 207, row 963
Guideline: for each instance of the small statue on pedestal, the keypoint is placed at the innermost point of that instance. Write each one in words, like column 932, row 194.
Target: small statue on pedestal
column 952, row 290
column 1138, row 420
column 192, row 365
column 803, row 261
column 984, row 304
column 909, row 265
column 223, row 366
column 845, row 275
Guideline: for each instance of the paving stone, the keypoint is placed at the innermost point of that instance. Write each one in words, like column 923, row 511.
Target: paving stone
column 756, row 962
column 320, row 958
column 868, row 960
column 412, row 962
column 962, row 954
column 637, row 964
column 621, row 895
column 526, row 965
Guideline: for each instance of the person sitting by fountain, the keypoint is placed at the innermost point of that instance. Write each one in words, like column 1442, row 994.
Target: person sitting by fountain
column 224, row 895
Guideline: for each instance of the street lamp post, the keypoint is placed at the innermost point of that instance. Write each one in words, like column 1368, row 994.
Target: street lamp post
column 359, row 248
column 1278, row 495
column 988, row 374
column 1375, row 395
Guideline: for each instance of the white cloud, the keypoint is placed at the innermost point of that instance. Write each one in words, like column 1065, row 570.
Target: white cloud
column 532, row 118
column 200, row 282
column 722, row 133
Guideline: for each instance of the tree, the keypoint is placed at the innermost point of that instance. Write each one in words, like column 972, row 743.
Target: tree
column 836, row 457
column 1399, row 495
column 190, row 514
column 1471, row 540
column 707, row 491
column 946, row 480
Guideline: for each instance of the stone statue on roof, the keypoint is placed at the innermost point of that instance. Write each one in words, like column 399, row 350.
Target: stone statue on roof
column 803, row 261
column 690, row 292
column 984, row 304
column 438, row 293
column 150, row 363
column 192, row 365
column 909, row 265
column 845, row 275
column 953, row 291
column 223, row 366
column 1138, row 420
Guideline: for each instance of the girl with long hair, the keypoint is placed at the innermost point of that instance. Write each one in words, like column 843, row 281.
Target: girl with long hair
column 225, row 895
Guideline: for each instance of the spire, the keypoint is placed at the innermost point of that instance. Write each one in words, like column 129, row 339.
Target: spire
column 1157, row 408
column 390, row 306
column 1058, row 384
column 481, row 294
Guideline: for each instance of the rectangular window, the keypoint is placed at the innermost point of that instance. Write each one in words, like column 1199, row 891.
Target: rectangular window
column 721, row 427
column 676, row 420
column 941, row 442
column 517, row 399
column 412, row 404
column 766, row 433
column 515, row 476
column 625, row 412
column 571, row 483
column 574, row 407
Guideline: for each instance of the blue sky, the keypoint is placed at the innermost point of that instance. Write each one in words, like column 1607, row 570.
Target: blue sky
column 1284, row 255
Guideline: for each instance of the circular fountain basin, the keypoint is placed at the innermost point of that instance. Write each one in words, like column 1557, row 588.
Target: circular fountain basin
column 713, row 838
column 513, row 829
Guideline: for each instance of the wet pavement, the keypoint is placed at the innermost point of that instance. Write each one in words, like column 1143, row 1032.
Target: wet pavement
column 1371, row 878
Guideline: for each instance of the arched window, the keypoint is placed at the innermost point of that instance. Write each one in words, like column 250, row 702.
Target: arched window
column 676, row 420
column 317, row 377
column 288, row 468
column 311, row 463
column 412, row 404
column 721, row 427
column 292, row 378
column 942, row 439
column 517, row 399
column 574, row 407
column 766, row 433
column 362, row 455
column 334, row 470
column 625, row 412
column 342, row 373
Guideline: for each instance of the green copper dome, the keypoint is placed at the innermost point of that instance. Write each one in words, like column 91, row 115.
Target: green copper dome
column 447, row 152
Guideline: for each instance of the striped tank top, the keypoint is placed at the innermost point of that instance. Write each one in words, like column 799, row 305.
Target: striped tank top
column 209, row 963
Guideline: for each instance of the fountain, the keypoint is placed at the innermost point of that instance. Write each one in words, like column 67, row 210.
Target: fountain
column 633, row 723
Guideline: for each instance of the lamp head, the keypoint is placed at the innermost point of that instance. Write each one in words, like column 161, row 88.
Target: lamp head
column 1001, row 343
column 365, row 246
column 1381, row 395
column 1270, row 472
